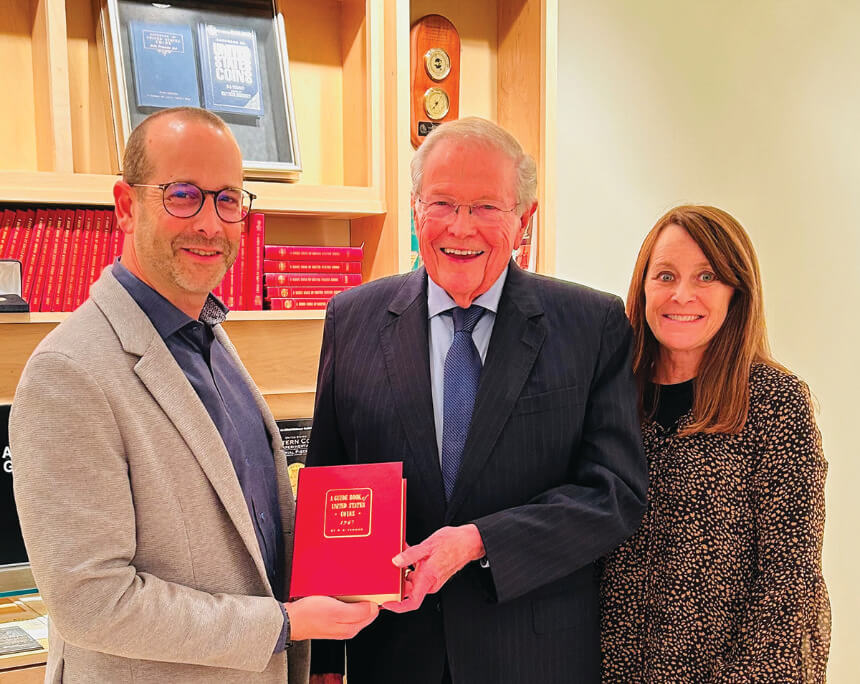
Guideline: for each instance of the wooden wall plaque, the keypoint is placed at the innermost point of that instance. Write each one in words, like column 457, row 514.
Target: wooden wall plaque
column 435, row 68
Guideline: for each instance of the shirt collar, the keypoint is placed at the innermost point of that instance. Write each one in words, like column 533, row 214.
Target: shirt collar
column 166, row 318
column 439, row 301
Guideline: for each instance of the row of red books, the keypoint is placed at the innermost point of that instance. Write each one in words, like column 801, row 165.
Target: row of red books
column 62, row 252
column 305, row 277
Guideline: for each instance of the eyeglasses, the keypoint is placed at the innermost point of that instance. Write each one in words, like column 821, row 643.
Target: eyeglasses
column 443, row 210
column 184, row 200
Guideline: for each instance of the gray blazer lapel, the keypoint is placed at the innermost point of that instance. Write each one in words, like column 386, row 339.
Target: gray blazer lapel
column 407, row 360
column 164, row 379
column 518, row 334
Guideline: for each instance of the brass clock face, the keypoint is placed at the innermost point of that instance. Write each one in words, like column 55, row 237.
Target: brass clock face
column 438, row 63
column 436, row 103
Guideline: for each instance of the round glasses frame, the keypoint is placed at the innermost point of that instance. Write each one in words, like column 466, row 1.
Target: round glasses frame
column 244, row 194
column 449, row 210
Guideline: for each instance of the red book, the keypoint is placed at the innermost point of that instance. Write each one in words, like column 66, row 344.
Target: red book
column 304, row 292
column 116, row 240
column 350, row 523
column 271, row 266
column 239, row 274
column 30, row 255
column 73, row 269
column 107, row 240
column 313, row 253
column 46, row 256
column 53, row 266
column 6, row 224
column 87, row 248
column 58, row 286
column 311, row 279
column 254, row 271
column 229, row 283
column 97, row 254
column 292, row 304
column 24, row 219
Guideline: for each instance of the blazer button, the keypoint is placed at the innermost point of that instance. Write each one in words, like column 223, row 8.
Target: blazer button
column 438, row 606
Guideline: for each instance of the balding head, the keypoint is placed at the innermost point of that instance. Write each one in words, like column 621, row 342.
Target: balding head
column 137, row 166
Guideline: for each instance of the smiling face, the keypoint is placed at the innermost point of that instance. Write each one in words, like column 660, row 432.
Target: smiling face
column 183, row 258
column 685, row 303
column 466, row 255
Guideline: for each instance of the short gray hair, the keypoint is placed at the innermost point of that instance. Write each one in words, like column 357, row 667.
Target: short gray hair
column 493, row 136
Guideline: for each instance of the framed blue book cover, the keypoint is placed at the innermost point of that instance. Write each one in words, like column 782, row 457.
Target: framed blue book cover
column 231, row 69
column 229, row 57
column 164, row 65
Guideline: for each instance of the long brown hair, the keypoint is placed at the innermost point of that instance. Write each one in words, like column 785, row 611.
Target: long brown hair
column 721, row 394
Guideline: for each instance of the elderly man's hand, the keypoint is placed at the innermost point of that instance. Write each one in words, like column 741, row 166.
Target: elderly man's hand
column 436, row 559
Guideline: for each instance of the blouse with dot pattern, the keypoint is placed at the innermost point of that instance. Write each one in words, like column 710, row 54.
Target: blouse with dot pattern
column 722, row 582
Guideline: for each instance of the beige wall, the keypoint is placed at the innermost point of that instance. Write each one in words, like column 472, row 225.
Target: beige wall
column 753, row 107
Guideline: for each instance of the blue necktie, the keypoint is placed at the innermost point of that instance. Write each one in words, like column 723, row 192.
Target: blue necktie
column 462, row 373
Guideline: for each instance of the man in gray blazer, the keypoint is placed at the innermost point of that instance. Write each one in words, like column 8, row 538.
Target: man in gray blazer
column 509, row 397
column 149, row 478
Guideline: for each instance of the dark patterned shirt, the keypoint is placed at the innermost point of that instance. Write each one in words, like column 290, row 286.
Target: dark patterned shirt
column 722, row 582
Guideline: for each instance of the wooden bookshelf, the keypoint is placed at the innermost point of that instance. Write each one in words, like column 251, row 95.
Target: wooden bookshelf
column 349, row 68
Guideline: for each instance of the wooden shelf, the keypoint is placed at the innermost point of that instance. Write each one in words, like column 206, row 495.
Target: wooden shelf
column 43, row 187
column 233, row 316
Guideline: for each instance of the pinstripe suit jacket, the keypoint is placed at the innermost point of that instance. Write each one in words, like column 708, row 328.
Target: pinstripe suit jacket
column 138, row 533
column 552, row 474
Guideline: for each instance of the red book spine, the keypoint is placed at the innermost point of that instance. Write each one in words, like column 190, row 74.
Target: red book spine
column 73, row 269
column 271, row 266
column 304, row 292
column 313, row 253
column 34, row 249
column 59, row 282
column 20, row 235
column 107, row 240
column 42, row 257
column 311, row 279
column 6, row 231
column 87, row 247
column 356, row 514
column 292, row 304
column 47, row 270
column 98, row 246
column 116, row 240
column 239, row 275
column 256, row 241
column 230, row 288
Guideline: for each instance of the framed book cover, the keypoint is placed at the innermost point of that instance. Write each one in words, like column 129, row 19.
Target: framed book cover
column 350, row 523
column 230, row 69
column 163, row 63
column 237, row 67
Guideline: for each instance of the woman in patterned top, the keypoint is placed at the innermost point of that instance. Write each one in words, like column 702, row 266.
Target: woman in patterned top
column 722, row 582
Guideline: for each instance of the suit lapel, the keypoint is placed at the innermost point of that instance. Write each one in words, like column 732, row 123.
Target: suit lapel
column 518, row 334
column 407, row 361
column 164, row 379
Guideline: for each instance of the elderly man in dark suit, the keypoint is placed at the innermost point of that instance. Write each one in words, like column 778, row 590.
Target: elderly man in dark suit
column 509, row 398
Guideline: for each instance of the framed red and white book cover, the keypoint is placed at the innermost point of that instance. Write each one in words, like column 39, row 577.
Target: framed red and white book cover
column 350, row 523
